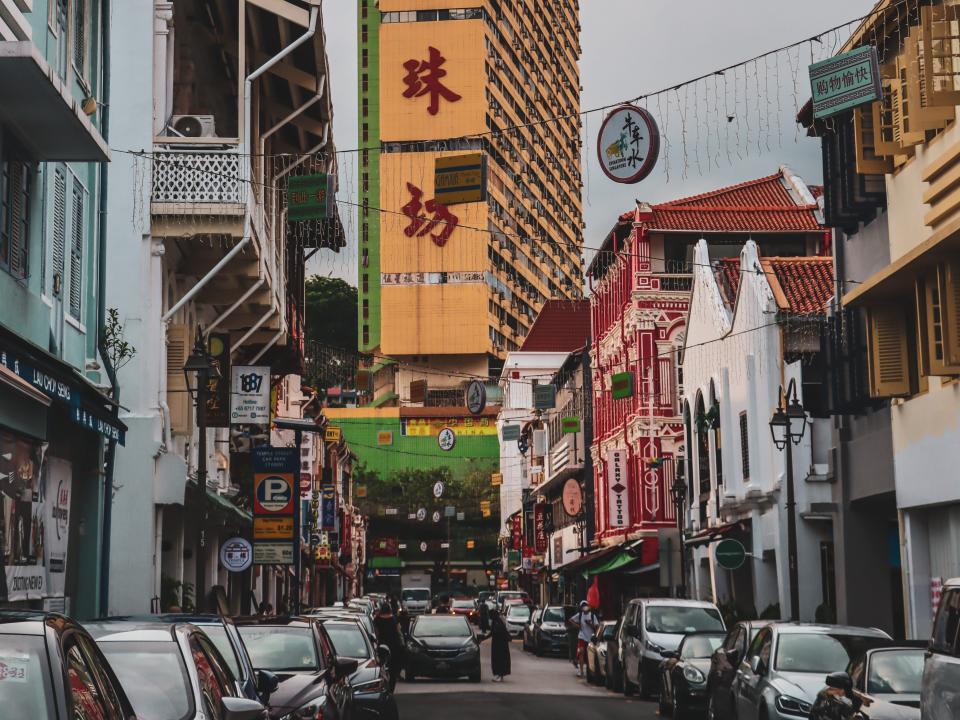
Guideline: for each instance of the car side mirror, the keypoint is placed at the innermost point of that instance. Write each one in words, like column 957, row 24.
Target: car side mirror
column 383, row 654
column 756, row 665
column 840, row 681
column 345, row 667
column 733, row 657
column 235, row 708
column 267, row 683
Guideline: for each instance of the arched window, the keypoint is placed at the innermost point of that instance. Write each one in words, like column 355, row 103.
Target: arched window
column 713, row 420
column 688, row 449
column 703, row 457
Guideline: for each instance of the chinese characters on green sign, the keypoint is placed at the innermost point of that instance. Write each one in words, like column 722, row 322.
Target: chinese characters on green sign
column 845, row 81
column 310, row 197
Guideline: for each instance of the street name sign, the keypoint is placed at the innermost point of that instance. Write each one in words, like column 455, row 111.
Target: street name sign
column 730, row 554
column 845, row 81
column 544, row 397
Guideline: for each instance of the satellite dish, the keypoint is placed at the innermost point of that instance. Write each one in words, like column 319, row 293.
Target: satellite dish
column 188, row 126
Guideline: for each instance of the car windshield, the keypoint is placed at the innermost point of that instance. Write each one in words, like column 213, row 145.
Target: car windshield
column 439, row 626
column 218, row 635
column 280, row 648
column 681, row 619
column 518, row 611
column 24, row 678
column 463, row 603
column 895, row 672
column 820, row 652
column 700, row 646
column 418, row 595
column 154, row 677
column 348, row 640
column 553, row 614
column 608, row 632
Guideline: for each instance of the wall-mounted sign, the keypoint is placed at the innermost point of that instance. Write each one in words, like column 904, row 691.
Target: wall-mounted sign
column 424, row 78
column 250, row 395
column 628, row 144
column 516, row 528
column 485, row 508
column 845, row 81
column 273, row 553
column 422, row 514
column 328, row 507
column 332, row 434
column 469, row 277
column 310, row 197
column 423, row 547
column 540, row 527
column 218, row 388
column 465, row 426
column 236, row 554
column 496, row 479
column 461, row 516
column 438, row 488
column 730, row 554
column 449, row 511
column 418, row 391
column 436, row 516
column 439, row 225
column 447, row 439
column 384, row 437
column 273, row 528
column 618, row 497
column 510, row 432
column 476, row 397
column 621, row 385
column 572, row 497
column 570, row 425
column 544, row 397
column 461, row 179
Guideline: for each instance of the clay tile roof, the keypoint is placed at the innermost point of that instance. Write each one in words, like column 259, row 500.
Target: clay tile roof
column 561, row 326
column 806, row 284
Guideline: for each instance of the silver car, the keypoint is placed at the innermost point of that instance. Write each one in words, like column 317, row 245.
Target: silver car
column 516, row 618
column 940, row 694
column 787, row 663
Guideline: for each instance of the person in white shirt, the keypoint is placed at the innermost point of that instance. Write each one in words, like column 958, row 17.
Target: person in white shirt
column 587, row 623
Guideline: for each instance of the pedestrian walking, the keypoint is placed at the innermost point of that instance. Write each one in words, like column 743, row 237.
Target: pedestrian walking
column 586, row 622
column 388, row 633
column 499, row 647
column 404, row 619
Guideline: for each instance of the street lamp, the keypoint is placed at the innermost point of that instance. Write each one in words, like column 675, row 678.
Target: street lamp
column 787, row 427
column 678, row 491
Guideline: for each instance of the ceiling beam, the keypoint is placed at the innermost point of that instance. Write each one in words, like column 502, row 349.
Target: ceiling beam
column 291, row 74
column 283, row 9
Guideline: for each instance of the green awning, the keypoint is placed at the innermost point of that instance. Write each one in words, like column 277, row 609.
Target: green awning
column 381, row 365
column 612, row 563
column 219, row 502
column 380, row 563
column 384, row 399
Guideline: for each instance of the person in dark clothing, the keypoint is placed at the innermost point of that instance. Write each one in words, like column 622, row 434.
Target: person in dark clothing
column 484, row 617
column 388, row 633
column 500, row 647
column 404, row 618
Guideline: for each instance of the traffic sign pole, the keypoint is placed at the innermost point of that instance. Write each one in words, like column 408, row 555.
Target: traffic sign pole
column 297, row 524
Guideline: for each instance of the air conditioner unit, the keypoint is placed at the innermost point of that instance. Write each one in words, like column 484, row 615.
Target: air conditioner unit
column 193, row 126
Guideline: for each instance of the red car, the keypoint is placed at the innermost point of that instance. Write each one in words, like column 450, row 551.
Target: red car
column 467, row 607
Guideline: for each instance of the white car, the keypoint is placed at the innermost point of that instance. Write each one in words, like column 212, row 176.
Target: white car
column 416, row 601
column 516, row 618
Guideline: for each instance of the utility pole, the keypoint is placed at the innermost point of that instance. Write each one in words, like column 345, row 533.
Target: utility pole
column 297, row 528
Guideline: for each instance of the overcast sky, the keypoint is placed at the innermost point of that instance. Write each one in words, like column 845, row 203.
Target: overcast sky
column 634, row 47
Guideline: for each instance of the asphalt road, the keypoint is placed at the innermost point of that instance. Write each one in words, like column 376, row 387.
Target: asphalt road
column 537, row 688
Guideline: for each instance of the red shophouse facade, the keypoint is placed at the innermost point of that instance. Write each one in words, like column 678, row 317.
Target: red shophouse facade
column 640, row 286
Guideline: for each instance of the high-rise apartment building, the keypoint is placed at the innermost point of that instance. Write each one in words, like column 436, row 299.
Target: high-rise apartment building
column 450, row 286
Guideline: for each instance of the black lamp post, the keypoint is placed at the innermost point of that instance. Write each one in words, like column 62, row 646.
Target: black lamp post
column 678, row 491
column 201, row 365
column 787, row 426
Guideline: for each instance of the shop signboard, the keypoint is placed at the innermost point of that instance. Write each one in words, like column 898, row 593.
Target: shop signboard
column 621, row 385
column 544, row 397
column 510, row 432
column 273, row 528
column 310, row 197
column 540, row 527
column 516, row 526
column 250, row 395
column 328, row 507
column 236, row 554
column 273, row 553
column 618, row 495
column 460, row 179
column 628, row 144
column 845, row 81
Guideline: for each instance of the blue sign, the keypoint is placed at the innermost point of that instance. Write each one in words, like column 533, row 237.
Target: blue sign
column 269, row 459
column 328, row 507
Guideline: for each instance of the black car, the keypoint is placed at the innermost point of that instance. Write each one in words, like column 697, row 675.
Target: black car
column 881, row 684
column 372, row 686
column 529, row 630
column 723, row 668
column 313, row 681
column 683, row 674
column 550, row 634
column 50, row 667
column 442, row 646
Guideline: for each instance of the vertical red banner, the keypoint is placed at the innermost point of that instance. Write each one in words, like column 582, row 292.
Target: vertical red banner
column 540, row 527
column 517, row 531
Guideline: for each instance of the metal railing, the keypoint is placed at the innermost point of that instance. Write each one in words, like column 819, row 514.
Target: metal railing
column 189, row 174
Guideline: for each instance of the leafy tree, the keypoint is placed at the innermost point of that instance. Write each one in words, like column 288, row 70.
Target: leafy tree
column 331, row 312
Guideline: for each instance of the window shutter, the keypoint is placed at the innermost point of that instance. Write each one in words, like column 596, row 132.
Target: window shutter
column 18, row 194
column 902, row 105
column 924, row 115
column 939, row 67
column 76, row 251
column 80, row 35
column 178, row 396
column 886, row 142
column 948, row 282
column 868, row 162
column 744, row 446
column 59, row 230
column 889, row 364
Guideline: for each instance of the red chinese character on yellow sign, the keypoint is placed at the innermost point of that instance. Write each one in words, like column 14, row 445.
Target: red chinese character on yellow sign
column 424, row 76
column 421, row 225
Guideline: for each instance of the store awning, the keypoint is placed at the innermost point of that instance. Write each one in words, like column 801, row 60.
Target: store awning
column 591, row 558
column 615, row 562
column 709, row 535
column 223, row 505
column 381, row 563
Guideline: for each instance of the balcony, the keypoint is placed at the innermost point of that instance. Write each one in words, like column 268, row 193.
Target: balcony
column 563, row 462
column 672, row 282
column 199, row 179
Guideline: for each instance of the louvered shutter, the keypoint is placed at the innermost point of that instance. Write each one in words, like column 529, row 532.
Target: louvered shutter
column 178, row 395
column 924, row 115
column 18, row 195
column 867, row 160
column 80, row 36
column 76, row 251
column 948, row 281
column 59, row 230
column 889, row 363
column 938, row 41
column 885, row 140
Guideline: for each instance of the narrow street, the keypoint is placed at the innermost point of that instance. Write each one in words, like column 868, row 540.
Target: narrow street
column 537, row 688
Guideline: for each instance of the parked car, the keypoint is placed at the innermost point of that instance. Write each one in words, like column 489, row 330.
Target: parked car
column 516, row 618
column 442, row 646
column 313, row 681
column 881, row 684
column 505, row 596
column 466, row 607
column 529, row 630
column 356, row 613
column 786, row 665
column 683, row 674
column 723, row 668
column 650, row 627
column 550, row 636
column 416, row 601
column 51, row 667
column 372, row 686
column 940, row 696
column 172, row 669
column 597, row 652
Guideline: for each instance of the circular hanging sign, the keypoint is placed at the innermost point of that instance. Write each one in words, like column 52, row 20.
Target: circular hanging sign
column 628, row 144
column 730, row 554
column 423, row 547
column 438, row 489
column 422, row 514
column 476, row 397
column 236, row 554
column 436, row 516
column 572, row 497
column 447, row 439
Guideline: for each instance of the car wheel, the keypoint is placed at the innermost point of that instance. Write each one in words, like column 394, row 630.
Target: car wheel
column 644, row 688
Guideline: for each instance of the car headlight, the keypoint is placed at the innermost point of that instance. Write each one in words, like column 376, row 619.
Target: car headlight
column 792, row 706
column 693, row 675
column 377, row 685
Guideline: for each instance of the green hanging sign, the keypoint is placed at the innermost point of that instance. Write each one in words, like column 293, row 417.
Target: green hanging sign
column 621, row 385
column 570, row 425
column 310, row 197
column 845, row 81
